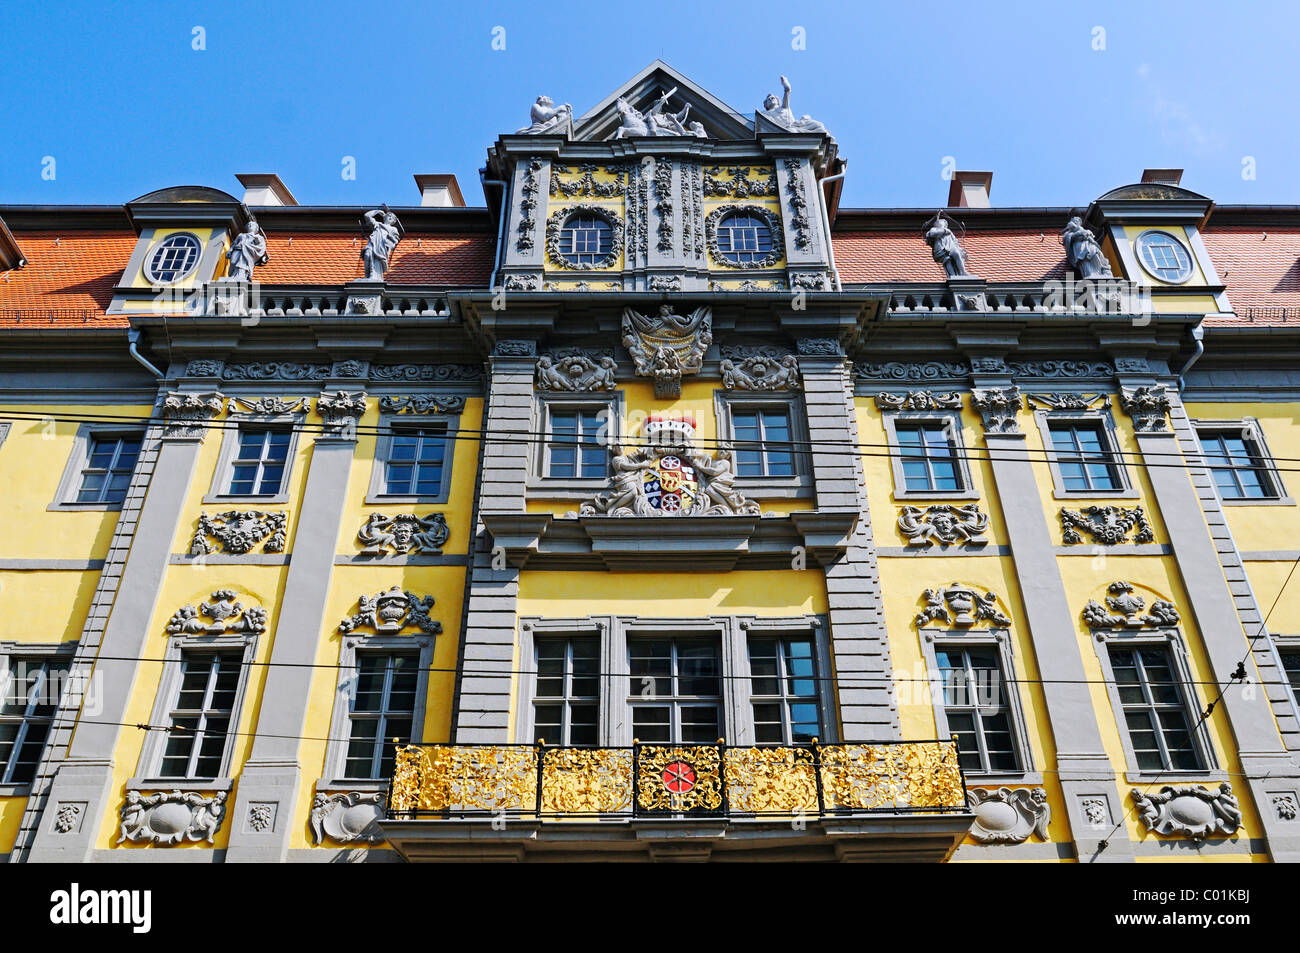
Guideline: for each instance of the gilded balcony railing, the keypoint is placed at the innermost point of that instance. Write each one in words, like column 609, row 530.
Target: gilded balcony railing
column 647, row 780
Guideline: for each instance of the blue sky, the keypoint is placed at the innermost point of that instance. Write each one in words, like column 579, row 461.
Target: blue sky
column 124, row 104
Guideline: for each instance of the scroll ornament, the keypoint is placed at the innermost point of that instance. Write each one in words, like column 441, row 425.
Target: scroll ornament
column 1189, row 809
column 227, row 616
column 239, row 532
column 575, row 370
column 1128, row 608
column 403, row 533
column 1107, row 525
column 667, row 346
column 966, row 604
column 1009, row 815
column 943, row 523
column 170, row 818
column 347, row 817
column 388, row 613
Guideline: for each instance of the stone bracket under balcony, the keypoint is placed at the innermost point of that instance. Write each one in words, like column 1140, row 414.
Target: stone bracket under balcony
column 668, row 543
column 918, row 838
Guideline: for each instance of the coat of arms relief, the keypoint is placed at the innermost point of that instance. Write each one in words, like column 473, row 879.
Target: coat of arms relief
column 670, row 476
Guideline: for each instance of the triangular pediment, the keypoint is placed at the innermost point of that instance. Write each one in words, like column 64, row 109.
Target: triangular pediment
column 643, row 90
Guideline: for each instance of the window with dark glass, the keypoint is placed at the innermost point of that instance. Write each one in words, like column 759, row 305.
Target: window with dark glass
column 381, row 713
column 762, row 441
column 783, row 686
column 928, row 456
column 575, row 448
column 108, row 469
column 260, row 462
column 566, row 706
column 744, row 238
column 586, row 239
column 977, row 708
column 414, row 464
column 1291, row 665
column 676, row 690
column 26, row 711
column 1155, row 709
column 1239, row 467
column 1084, row 456
column 173, row 258
column 200, row 715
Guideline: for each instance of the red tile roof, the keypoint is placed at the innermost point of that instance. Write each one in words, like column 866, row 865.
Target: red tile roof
column 68, row 279
column 1262, row 274
column 998, row 255
column 309, row 258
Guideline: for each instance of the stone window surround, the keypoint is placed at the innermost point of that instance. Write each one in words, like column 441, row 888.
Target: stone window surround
column 998, row 639
column 235, row 424
column 350, row 646
column 1172, row 640
column 1255, row 433
column 388, row 424
column 1101, row 415
column 1290, row 644
column 151, row 752
column 613, row 633
column 768, row 487
column 65, row 497
column 570, row 487
column 890, row 419
column 45, row 652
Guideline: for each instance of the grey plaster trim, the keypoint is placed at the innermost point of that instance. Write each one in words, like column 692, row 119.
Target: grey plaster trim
column 1212, row 776
column 65, row 497
column 67, row 565
column 183, row 784
column 1280, row 501
column 151, row 751
column 368, row 785
column 998, row 639
column 1169, row 847
column 1172, row 639
column 389, row 424
column 351, row 646
column 42, row 651
column 952, row 420
column 1051, row 851
column 5, row 426
column 226, row 559
column 416, row 559
column 1122, row 549
column 149, row 855
column 235, row 425
column 344, row 855
column 1102, row 415
column 1270, row 555
column 539, row 484
column 1251, row 428
column 891, row 552
column 798, row 486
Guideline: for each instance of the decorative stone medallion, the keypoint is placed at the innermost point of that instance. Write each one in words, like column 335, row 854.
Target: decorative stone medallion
column 1189, row 809
column 1009, row 815
column 403, row 533
column 347, row 817
column 391, row 612
column 239, row 532
column 1107, row 525
column 169, row 818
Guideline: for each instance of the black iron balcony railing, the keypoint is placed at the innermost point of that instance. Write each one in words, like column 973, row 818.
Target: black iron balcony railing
column 649, row 780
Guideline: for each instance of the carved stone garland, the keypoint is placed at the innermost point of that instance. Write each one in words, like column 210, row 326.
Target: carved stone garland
column 1128, row 610
column 967, row 605
column 576, row 369
column 403, row 533
column 389, row 613
column 919, row 400
column 667, row 346
column 943, row 523
column 528, row 190
column 798, row 205
column 1189, row 809
column 169, row 818
column 239, row 532
column 759, row 368
column 1009, row 815
column 422, row 404
column 227, row 615
column 269, row 406
column 1107, row 525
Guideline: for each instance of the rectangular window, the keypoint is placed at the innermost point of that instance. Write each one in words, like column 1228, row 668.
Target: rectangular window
column 260, row 461
column 676, row 690
column 381, row 712
column 1240, row 468
column 977, row 708
column 200, row 716
column 1291, row 665
column 928, row 456
column 26, row 711
column 1084, row 456
column 566, row 706
column 575, row 449
column 763, row 442
column 108, row 468
column 1155, row 709
column 784, row 697
column 415, row 459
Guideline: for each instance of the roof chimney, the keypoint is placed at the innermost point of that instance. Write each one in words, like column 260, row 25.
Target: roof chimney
column 265, row 188
column 970, row 189
column 439, row 191
column 1162, row 176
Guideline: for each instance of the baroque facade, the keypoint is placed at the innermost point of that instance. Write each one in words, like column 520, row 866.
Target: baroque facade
column 661, row 490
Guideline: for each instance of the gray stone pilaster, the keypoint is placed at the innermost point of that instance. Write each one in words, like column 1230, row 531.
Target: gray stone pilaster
column 85, row 776
column 1085, row 772
column 273, row 772
column 482, row 700
column 1269, row 768
column 864, row 672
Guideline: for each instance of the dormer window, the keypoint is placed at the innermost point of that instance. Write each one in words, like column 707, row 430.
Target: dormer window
column 1164, row 257
column 586, row 240
column 744, row 239
column 173, row 258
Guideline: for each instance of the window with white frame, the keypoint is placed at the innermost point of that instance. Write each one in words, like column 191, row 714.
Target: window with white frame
column 27, row 707
column 108, row 469
column 260, row 462
column 784, row 694
column 381, row 713
column 977, row 708
column 676, row 689
column 1291, row 666
column 200, row 715
column 1239, row 461
column 575, row 446
column 763, row 439
column 1085, row 457
column 1155, row 711
column 566, row 702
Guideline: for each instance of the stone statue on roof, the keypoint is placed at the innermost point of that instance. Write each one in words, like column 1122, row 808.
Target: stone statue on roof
column 547, row 117
column 1083, row 251
column 247, row 250
column 945, row 248
column 779, row 111
column 385, row 233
